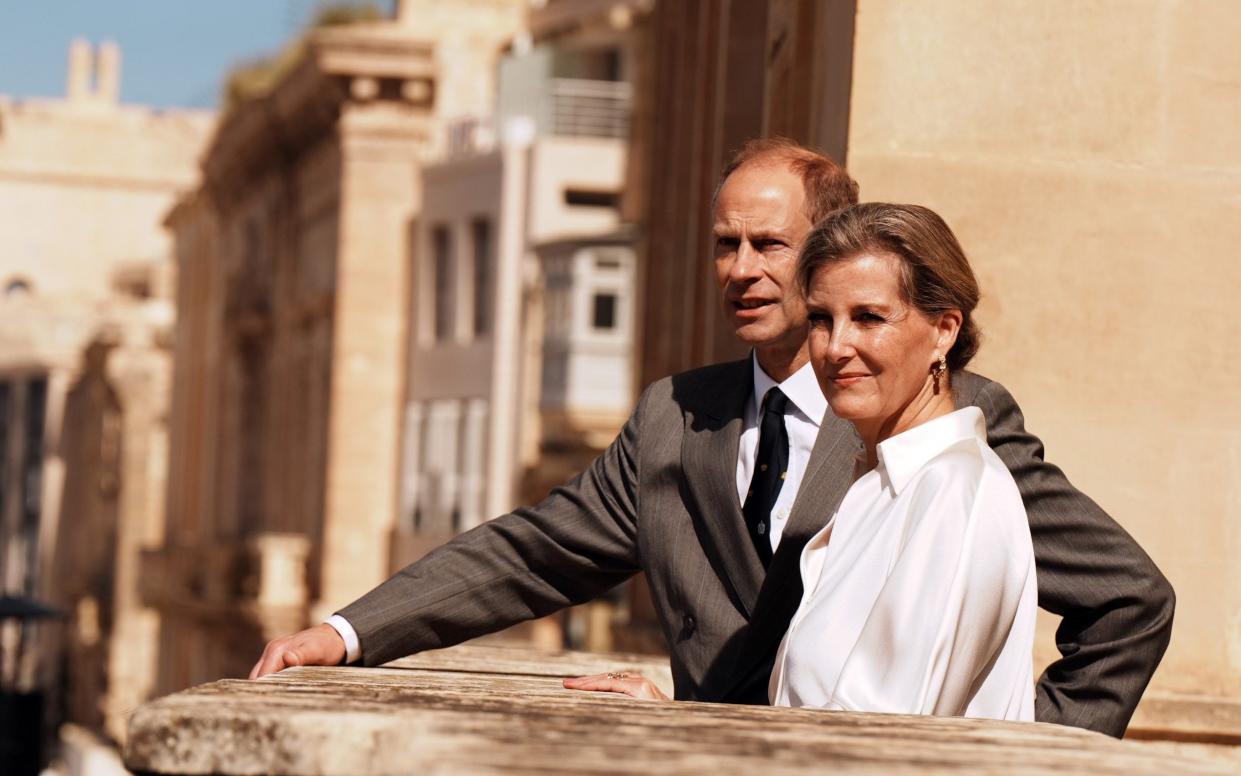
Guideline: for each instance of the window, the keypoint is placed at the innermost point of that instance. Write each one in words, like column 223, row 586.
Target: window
column 480, row 234
column 591, row 198
column 16, row 287
column 604, row 315
column 445, row 309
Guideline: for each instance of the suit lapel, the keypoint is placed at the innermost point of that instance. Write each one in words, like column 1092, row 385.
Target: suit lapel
column 709, row 464
column 829, row 473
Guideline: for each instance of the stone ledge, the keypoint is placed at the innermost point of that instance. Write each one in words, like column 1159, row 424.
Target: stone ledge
column 1187, row 718
column 471, row 710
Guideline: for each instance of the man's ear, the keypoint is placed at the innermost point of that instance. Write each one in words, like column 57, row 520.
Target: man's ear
column 947, row 326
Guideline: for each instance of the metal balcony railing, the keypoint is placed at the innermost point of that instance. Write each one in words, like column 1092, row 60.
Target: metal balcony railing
column 588, row 108
column 564, row 107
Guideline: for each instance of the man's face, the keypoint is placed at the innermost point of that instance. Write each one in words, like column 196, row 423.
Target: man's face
column 759, row 227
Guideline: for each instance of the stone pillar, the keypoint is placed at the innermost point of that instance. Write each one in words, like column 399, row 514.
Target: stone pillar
column 380, row 193
column 506, row 369
column 709, row 100
column 78, row 87
column 142, row 376
column 411, row 465
column 474, row 445
column 51, row 487
column 108, row 74
column 445, row 446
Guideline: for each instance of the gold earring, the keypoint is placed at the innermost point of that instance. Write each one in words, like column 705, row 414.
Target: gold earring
column 937, row 371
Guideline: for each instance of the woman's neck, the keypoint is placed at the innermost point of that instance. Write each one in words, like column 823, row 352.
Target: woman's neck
column 927, row 404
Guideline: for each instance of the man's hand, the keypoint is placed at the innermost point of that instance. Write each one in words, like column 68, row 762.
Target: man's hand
column 631, row 684
column 317, row 646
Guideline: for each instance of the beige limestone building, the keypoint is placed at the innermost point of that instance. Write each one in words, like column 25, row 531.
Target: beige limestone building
column 522, row 314
column 1086, row 155
column 522, row 319
column 85, row 318
column 296, row 260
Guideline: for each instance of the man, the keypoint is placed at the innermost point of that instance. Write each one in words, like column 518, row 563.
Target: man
column 687, row 494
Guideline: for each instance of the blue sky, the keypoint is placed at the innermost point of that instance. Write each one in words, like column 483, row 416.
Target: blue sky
column 174, row 52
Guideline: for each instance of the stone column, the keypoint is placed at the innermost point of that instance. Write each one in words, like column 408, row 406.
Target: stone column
column 709, row 102
column 380, row 193
column 474, row 445
column 506, row 370
column 142, row 376
column 108, row 74
column 445, row 447
column 411, row 465
column 81, row 68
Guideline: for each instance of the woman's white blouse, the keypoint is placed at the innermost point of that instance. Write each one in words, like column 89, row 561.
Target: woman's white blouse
column 920, row 595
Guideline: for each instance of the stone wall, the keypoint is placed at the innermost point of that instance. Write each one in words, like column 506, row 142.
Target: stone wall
column 1086, row 158
column 84, row 184
column 294, row 257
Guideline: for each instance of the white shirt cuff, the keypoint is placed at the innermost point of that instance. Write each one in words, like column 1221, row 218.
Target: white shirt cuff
column 353, row 650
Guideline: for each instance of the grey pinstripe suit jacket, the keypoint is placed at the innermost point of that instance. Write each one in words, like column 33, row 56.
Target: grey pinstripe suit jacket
column 662, row 499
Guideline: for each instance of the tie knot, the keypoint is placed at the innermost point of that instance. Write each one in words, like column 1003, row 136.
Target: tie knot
column 775, row 401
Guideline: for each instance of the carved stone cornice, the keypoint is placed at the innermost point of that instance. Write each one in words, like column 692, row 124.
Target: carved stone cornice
column 381, row 68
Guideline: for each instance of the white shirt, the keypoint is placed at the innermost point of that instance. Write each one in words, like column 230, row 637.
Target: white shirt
column 802, row 420
column 922, row 578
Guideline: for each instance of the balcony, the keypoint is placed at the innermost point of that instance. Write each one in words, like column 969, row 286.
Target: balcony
column 578, row 107
column 546, row 107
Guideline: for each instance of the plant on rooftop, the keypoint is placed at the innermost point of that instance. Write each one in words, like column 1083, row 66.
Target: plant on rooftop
column 258, row 76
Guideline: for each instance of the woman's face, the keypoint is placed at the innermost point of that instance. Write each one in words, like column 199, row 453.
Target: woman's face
column 871, row 351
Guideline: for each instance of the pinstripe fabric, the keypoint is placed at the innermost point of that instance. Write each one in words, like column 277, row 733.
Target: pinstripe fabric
column 662, row 499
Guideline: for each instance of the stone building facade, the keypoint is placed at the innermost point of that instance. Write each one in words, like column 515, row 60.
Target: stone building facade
column 295, row 274
column 85, row 317
column 522, row 319
column 1084, row 158
column 509, row 360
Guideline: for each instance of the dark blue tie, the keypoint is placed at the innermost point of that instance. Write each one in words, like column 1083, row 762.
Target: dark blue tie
column 770, row 467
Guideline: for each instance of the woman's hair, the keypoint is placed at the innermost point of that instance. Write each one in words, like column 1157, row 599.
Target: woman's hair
column 935, row 275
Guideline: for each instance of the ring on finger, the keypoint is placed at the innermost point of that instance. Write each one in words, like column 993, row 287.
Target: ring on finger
column 617, row 675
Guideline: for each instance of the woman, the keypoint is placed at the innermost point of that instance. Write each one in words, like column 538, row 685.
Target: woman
column 919, row 594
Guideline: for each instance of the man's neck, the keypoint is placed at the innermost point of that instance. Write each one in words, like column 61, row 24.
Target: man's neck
column 781, row 363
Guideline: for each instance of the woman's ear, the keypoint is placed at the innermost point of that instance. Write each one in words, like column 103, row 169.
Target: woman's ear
column 947, row 325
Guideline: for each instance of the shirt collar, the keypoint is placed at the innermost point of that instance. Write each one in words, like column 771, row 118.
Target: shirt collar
column 801, row 387
column 903, row 455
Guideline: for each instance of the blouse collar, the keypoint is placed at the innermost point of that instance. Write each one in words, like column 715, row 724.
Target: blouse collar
column 901, row 456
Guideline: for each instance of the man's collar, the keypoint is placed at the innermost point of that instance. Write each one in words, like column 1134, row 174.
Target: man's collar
column 903, row 455
column 801, row 387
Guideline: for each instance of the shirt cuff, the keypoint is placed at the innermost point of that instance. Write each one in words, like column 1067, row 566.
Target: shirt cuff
column 353, row 649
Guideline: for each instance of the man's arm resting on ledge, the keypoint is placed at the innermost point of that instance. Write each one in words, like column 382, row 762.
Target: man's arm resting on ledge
column 576, row 544
column 1116, row 605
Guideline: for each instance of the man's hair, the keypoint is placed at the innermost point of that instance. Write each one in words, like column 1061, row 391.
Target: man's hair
column 935, row 275
column 826, row 184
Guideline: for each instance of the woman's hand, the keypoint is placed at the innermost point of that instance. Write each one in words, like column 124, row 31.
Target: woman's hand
column 631, row 684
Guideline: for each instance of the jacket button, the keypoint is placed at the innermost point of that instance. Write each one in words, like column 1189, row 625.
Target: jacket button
column 688, row 625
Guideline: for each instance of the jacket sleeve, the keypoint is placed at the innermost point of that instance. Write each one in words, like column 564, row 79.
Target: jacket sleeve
column 1115, row 604
column 577, row 543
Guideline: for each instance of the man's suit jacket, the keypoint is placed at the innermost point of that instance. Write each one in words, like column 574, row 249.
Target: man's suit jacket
column 663, row 499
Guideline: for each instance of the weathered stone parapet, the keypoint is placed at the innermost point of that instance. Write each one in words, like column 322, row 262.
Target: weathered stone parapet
column 486, row 710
